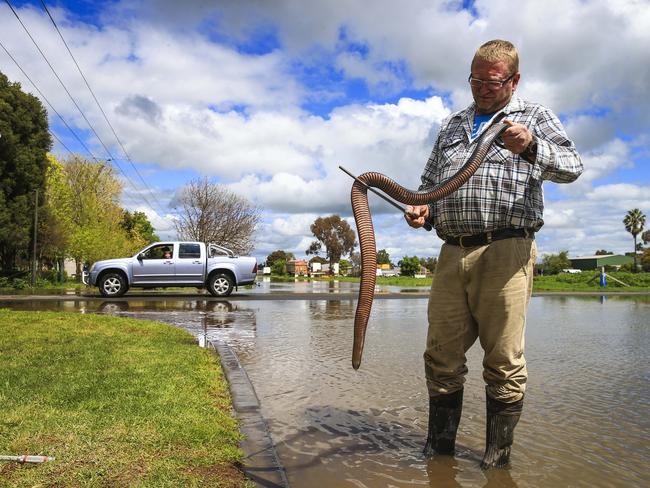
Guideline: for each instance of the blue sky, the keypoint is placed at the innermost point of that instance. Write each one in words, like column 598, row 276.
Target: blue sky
column 269, row 98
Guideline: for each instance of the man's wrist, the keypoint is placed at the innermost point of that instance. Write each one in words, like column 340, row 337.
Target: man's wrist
column 530, row 153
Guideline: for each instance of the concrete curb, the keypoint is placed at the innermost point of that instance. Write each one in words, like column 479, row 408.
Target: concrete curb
column 261, row 463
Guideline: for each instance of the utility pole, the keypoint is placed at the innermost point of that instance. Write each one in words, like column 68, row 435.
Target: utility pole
column 34, row 258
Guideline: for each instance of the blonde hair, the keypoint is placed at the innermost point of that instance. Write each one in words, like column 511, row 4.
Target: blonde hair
column 499, row 50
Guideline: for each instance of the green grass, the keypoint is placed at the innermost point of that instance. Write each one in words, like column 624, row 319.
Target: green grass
column 565, row 282
column 117, row 402
column 588, row 281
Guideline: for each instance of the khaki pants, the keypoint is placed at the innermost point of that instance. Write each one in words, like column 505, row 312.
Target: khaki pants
column 480, row 292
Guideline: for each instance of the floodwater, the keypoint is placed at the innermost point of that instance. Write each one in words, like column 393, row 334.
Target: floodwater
column 586, row 420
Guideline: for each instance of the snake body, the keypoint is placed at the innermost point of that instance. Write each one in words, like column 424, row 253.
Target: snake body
column 363, row 220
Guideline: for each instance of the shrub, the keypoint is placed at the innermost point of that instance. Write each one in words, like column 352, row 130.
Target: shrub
column 279, row 267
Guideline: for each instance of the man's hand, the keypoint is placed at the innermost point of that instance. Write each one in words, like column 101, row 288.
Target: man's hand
column 416, row 216
column 516, row 137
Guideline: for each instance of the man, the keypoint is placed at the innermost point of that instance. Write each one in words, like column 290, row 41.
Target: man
column 484, row 275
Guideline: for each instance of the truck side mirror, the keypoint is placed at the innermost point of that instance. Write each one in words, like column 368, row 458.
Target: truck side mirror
column 140, row 257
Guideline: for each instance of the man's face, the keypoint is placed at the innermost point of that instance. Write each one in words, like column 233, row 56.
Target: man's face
column 488, row 99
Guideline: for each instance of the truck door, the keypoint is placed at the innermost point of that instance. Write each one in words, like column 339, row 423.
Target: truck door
column 156, row 266
column 190, row 265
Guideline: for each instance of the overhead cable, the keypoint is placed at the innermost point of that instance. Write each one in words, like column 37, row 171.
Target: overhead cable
column 49, row 104
column 97, row 102
column 110, row 156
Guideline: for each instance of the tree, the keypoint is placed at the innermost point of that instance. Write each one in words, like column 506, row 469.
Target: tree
column 209, row 212
column 344, row 266
column 554, row 263
column 314, row 248
column 409, row 265
column 83, row 198
column 634, row 222
column 317, row 259
column 355, row 259
column 279, row 255
column 429, row 263
column 383, row 257
column 336, row 235
column 24, row 143
column 56, row 225
column 279, row 267
column 645, row 260
column 138, row 227
column 602, row 252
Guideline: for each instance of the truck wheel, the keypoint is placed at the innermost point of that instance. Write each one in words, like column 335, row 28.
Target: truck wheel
column 220, row 285
column 113, row 285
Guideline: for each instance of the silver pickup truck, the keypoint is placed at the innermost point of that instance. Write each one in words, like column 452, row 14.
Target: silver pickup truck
column 174, row 263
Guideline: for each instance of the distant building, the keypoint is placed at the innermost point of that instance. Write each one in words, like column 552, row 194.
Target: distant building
column 297, row 267
column 596, row 262
column 386, row 270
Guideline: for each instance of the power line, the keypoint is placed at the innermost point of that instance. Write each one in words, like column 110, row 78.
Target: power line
column 110, row 156
column 49, row 104
column 60, row 142
column 97, row 101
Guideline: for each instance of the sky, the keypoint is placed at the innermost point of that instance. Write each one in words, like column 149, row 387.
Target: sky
column 269, row 97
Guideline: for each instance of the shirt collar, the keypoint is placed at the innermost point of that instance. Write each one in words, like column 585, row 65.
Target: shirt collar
column 515, row 104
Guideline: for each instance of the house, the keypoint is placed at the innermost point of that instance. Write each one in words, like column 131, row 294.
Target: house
column 598, row 261
column 297, row 267
column 323, row 269
column 386, row 270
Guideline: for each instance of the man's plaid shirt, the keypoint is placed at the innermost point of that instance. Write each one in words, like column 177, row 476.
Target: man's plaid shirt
column 506, row 190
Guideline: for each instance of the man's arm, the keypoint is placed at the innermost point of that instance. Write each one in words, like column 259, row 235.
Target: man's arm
column 552, row 154
column 556, row 155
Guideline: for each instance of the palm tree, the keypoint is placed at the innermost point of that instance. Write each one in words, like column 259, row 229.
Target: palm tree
column 634, row 222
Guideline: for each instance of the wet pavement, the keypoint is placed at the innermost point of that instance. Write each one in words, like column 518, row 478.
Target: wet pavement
column 586, row 415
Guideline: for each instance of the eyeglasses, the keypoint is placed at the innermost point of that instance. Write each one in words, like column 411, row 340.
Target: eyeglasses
column 491, row 84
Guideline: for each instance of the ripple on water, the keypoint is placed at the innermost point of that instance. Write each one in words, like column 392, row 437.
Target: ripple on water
column 586, row 414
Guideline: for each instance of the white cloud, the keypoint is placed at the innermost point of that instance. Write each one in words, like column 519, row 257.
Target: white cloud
column 192, row 99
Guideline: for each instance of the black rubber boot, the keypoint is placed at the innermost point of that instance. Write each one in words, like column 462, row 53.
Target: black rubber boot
column 499, row 433
column 444, row 417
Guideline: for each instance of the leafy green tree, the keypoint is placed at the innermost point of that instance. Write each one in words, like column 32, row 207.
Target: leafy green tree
column 56, row 226
column 24, row 143
column 279, row 267
column 602, row 252
column 344, row 266
column 554, row 263
column 409, row 265
column 88, row 208
column 383, row 257
column 336, row 235
column 138, row 227
column 279, row 255
column 634, row 222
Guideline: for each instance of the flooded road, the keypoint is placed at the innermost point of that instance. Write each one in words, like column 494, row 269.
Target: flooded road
column 586, row 420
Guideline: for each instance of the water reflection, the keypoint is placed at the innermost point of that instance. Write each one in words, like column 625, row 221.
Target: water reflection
column 586, row 417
